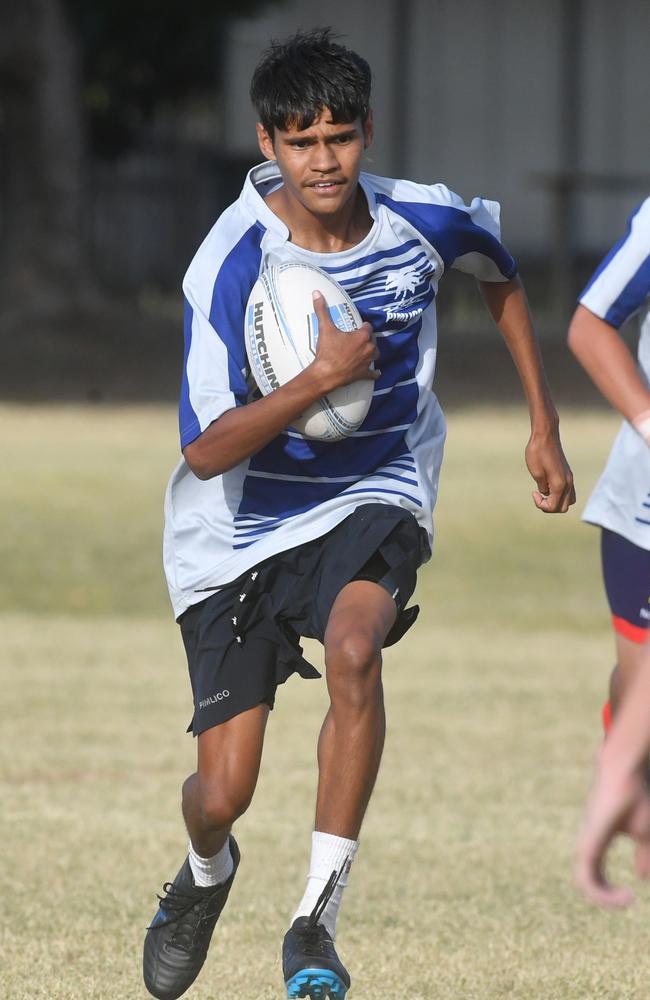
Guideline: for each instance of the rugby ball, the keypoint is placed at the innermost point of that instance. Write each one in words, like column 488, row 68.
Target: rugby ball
column 281, row 334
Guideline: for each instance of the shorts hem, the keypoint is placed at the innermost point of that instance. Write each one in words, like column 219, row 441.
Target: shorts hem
column 212, row 721
column 636, row 633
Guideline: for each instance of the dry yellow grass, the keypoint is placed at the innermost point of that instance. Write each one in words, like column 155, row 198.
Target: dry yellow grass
column 462, row 888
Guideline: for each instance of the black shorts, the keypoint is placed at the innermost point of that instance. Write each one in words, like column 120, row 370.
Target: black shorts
column 243, row 640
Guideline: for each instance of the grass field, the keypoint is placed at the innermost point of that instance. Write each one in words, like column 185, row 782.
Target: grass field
column 462, row 888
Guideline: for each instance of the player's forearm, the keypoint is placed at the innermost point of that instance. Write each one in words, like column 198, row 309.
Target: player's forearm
column 508, row 307
column 608, row 362
column 244, row 430
column 341, row 358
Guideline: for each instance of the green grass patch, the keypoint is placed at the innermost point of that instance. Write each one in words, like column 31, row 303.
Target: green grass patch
column 82, row 503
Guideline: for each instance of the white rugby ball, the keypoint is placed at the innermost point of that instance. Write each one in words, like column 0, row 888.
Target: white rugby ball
column 281, row 334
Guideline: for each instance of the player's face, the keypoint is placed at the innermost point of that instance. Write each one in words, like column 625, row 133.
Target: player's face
column 320, row 165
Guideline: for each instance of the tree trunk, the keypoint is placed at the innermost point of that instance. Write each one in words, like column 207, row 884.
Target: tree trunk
column 41, row 256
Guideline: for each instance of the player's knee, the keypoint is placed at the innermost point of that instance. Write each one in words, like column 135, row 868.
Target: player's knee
column 353, row 665
column 219, row 807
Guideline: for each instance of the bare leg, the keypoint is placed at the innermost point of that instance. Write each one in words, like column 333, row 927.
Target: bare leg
column 229, row 757
column 221, row 790
column 352, row 737
column 630, row 655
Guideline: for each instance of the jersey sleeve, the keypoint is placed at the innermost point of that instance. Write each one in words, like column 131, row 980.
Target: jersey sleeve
column 214, row 362
column 474, row 240
column 621, row 283
column 466, row 237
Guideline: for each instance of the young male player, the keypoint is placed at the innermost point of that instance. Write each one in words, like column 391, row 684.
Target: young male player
column 620, row 503
column 270, row 536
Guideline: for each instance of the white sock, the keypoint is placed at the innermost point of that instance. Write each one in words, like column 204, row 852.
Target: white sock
column 211, row 871
column 328, row 854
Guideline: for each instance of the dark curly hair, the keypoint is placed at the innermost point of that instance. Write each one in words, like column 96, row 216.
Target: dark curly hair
column 295, row 79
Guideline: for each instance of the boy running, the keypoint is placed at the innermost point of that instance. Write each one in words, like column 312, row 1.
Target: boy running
column 270, row 536
column 620, row 503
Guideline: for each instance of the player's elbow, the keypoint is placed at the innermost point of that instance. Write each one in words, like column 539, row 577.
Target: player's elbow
column 200, row 469
column 202, row 472
column 201, row 461
column 583, row 332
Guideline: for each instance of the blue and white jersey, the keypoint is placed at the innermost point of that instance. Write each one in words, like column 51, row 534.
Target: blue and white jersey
column 619, row 289
column 296, row 489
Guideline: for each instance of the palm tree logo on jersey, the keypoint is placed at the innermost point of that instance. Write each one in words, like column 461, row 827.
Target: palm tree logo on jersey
column 410, row 292
column 403, row 283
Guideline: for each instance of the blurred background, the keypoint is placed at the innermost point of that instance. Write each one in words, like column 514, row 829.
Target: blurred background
column 125, row 128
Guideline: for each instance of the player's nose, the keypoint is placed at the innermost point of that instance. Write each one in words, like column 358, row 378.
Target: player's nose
column 324, row 159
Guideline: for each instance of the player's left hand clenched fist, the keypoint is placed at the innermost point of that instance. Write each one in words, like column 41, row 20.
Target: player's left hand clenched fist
column 549, row 468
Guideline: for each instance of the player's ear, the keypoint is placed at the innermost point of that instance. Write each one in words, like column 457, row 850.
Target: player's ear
column 265, row 142
column 368, row 130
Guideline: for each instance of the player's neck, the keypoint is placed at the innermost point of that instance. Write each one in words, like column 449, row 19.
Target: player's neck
column 323, row 233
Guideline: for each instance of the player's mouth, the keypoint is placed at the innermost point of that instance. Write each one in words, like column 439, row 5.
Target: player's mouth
column 326, row 186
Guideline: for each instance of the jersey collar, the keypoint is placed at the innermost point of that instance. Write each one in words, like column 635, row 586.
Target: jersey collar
column 265, row 177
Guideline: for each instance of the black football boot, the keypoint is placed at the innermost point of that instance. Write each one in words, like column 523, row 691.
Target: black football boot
column 310, row 964
column 178, row 937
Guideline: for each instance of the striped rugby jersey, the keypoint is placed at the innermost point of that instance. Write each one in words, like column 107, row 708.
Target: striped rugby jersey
column 296, row 489
column 619, row 289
